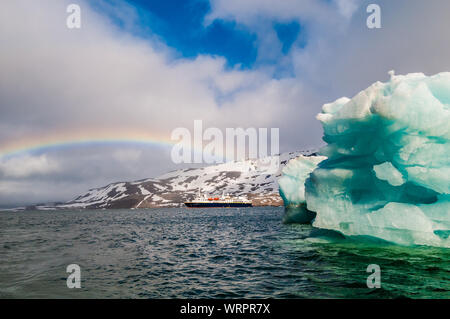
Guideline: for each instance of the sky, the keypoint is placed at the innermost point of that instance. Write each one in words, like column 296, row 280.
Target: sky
column 136, row 70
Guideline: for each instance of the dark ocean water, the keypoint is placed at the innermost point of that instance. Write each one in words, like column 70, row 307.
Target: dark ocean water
column 203, row 253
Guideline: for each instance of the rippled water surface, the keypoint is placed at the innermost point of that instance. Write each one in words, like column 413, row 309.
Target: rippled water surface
column 203, row 253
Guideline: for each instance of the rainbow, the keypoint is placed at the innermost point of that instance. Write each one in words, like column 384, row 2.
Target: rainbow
column 96, row 137
column 68, row 139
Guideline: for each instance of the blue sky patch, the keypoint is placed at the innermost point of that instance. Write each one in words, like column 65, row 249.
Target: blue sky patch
column 180, row 24
column 287, row 33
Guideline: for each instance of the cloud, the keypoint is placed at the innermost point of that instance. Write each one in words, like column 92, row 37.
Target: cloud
column 61, row 175
column 342, row 55
column 249, row 11
column 108, row 77
column 26, row 166
column 127, row 156
column 102, row 76
column 347, row 7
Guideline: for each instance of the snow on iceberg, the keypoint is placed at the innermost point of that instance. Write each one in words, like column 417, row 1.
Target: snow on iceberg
column 387, row 172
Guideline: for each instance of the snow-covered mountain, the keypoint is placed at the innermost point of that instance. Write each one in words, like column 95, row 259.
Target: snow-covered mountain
column 256, row 179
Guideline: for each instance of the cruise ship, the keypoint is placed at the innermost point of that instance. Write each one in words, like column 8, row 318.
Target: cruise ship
column 222, row 201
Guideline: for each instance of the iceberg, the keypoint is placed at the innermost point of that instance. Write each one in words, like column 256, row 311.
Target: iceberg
column 387, row 168
column 292, row 188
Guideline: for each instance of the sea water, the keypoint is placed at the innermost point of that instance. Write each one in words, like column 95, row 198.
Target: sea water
column 204, row 253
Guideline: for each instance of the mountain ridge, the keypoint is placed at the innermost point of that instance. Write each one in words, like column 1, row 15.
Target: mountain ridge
column 256, row 179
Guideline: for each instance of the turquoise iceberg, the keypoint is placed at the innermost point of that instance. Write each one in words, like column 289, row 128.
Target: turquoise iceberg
column 387, row 172
column 292, row 187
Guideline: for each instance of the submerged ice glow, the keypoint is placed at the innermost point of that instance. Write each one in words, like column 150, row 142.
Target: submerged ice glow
column 387, row 172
